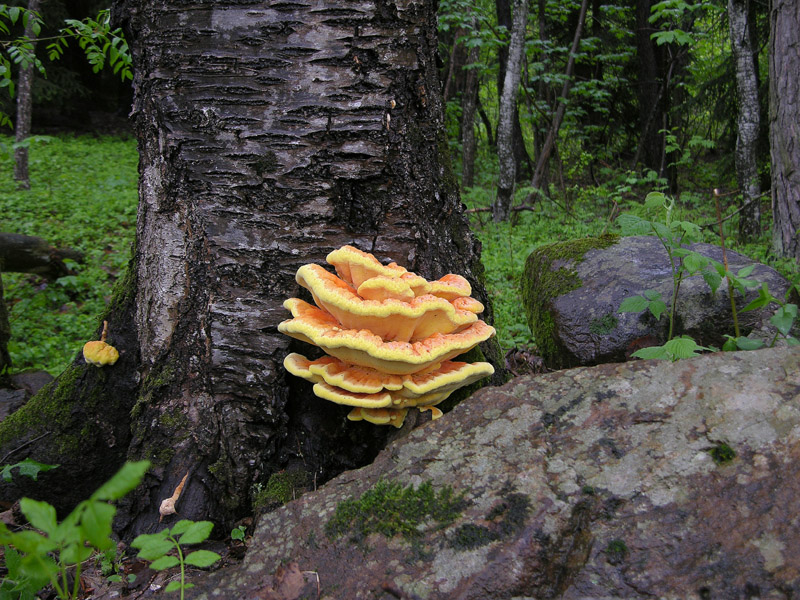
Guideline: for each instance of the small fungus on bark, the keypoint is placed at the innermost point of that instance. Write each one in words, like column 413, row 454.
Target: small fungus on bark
column 389, row 334
column 99, row 353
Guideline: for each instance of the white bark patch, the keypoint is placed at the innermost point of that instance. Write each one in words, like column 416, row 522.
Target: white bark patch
column 161, row 266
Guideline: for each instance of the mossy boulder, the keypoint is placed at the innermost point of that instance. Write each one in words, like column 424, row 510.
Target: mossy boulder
column 572, row 292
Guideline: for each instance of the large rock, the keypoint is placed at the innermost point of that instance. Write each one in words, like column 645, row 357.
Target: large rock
column 639, row 480
column 572, row 292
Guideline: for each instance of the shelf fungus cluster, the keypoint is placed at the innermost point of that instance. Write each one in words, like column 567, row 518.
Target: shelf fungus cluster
column 389, row 336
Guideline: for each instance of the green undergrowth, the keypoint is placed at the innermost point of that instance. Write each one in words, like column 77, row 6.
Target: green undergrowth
column 83, row 196
column 507, row 245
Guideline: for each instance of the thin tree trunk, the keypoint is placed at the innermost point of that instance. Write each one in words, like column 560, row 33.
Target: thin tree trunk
column 523, row 160
column 469, row 102
column 549, row 142
column 745, row 53
column 22, row 129
column 784, row 126
column 650, row 91
column 268, row 136
column 5, row 331
column 505, row 126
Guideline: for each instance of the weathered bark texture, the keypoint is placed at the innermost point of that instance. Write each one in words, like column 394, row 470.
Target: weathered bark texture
column 784, row 126
column 745, row 53
column 505, row 125
column 22, row 128
column 270, row 135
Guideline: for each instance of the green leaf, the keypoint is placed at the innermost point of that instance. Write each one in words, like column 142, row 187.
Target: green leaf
column 31, row 468
column 652, row 295
column 652, row 352
column 39, row 514
column 713, row 279
column 140, row 541
column 745, row 343
column 745, row 271
column 784, row 318
column 694, row 262
column 75, row 553
column 154, row 549
column 633, row 225
column 633, row 304
column 197, row 532
column 165, row 562
column 657, row 307
column 174, row 586
column 96, row 524
column 682, row 347
column 127, row 478
column 730, row 344
column 181, row 526
column 763, row 299
column 654, row 200
column 202, row 558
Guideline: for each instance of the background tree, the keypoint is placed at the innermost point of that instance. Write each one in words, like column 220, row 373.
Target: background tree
column 288, row 133
column 25, row 100
column 784, row 127
column 509, row 116
column 741, row 20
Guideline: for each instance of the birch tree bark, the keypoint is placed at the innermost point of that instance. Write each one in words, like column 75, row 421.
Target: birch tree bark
column 22, row 128
column 784, row 126
column 508, row 101
column 745, row 54
column 269, row 135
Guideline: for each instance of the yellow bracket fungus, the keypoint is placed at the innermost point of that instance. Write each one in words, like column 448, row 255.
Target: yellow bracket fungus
column 389, row 335
column 99, row 353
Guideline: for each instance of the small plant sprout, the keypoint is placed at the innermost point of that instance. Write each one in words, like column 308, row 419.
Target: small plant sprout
column 684, row 262
column 238, row 533
column 47, row 553
column 156, row 547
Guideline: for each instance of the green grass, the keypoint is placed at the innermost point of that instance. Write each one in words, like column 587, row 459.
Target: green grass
column 83, row 195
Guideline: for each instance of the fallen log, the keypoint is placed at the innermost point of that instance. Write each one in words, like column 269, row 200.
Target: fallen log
column 28, row 254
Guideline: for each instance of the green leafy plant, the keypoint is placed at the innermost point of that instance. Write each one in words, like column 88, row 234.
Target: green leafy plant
column 238, row 533
column 156, row 547
column 47, row 553
column 673, row 234
column 28, row 468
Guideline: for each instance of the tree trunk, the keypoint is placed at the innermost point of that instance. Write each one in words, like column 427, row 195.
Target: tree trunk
column 784, row 127
column 523, row 161
column 30, row 254
column 22, row 129
column 650, row 91
column 745, row 53
column 268, row 136
column 558, row 117
column 469, row 104
column 505, row 125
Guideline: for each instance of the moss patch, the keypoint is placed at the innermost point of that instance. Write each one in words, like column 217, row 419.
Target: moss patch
column 722, row 453
column 281, row 487
column 391, row 509
column 550, row 273
column 603, row 325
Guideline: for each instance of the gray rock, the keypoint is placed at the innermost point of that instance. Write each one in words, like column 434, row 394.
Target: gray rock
column 572, row 304
column 646, row 479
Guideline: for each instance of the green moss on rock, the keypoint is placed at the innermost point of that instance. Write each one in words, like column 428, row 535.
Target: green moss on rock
column 391, row 509
column 281, row 487
column 549, row 273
